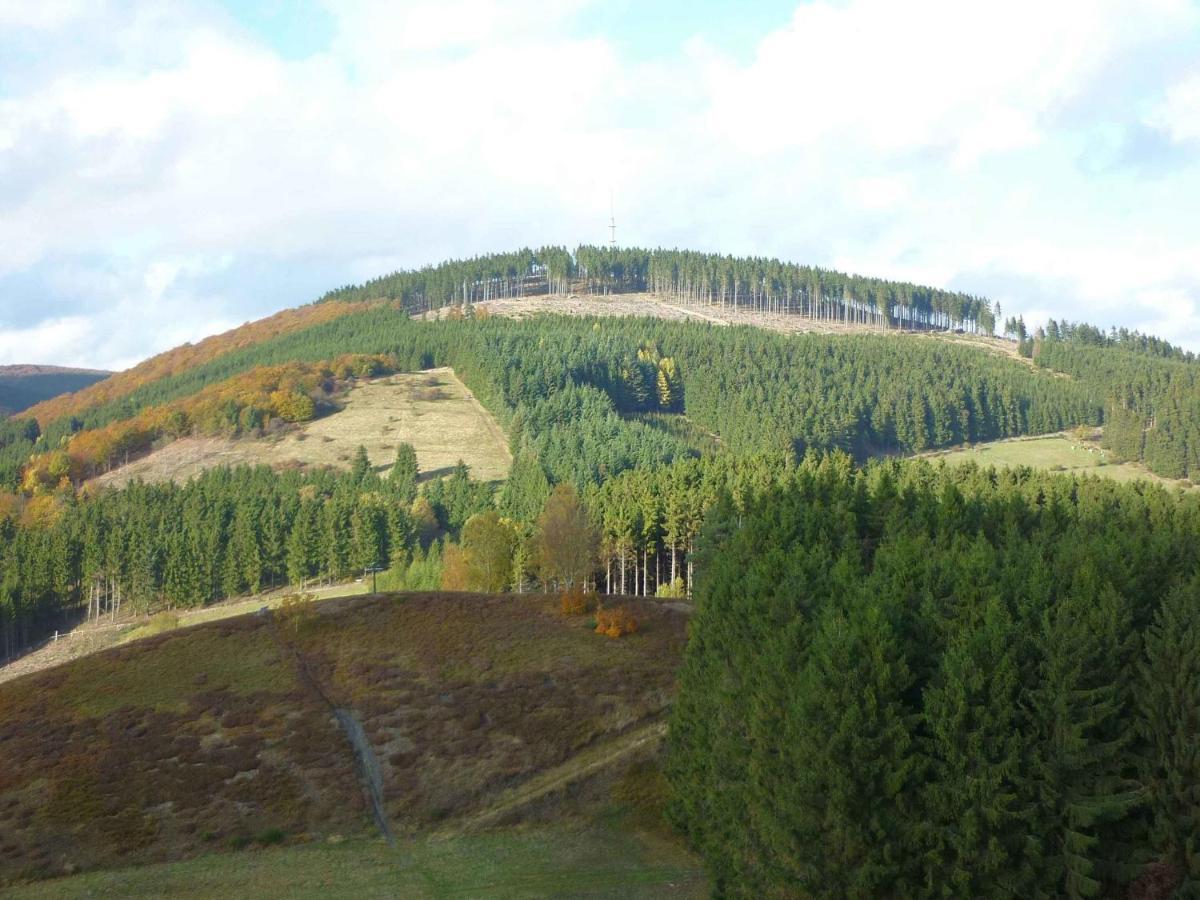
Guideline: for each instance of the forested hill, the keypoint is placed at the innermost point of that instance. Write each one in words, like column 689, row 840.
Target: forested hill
column 755, row 283
column 1150, row 392
column 23, row 386
column 864, row 394
column 181, row 359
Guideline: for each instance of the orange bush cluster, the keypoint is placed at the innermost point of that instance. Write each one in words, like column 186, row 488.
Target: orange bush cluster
column 616, row 622
column 576, row 602
column 187, row 357
column 244, row 403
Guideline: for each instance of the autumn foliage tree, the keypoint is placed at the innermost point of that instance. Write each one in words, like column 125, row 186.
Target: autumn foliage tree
column 567, row 544
column 489, row 542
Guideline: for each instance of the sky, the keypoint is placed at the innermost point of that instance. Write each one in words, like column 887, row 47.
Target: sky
column 172, row 169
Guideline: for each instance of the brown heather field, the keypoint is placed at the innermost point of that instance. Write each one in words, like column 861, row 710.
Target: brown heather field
column 432, row 410
column 480, row 710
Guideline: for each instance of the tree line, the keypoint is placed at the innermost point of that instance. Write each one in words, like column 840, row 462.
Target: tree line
column 864, row 393
column 919, row 681
column 226, row 532
column 751, row 283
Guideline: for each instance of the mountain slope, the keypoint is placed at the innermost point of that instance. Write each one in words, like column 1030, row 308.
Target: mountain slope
column 185, row 357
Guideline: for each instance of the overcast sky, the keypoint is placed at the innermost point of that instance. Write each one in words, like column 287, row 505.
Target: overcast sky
column 169, row 170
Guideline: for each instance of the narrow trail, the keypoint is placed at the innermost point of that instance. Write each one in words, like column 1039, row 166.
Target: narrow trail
column 574, row 769
column 698, row 315
column 367, row 764
column 368, row 767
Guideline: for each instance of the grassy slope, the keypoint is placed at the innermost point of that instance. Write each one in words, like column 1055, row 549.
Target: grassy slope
column 1057, row 452
column 203, row 738
column 432, row 410
column 579, row 860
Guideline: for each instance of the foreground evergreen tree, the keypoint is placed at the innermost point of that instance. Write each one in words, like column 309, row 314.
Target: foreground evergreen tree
column 1073, row 780
column 975, row 829
column 403, row 476
column 1168, row 697
column 847, row 813
column 914, row 681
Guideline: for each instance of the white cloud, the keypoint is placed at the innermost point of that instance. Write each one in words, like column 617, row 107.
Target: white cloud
column 191, row 178
column 1179, row 112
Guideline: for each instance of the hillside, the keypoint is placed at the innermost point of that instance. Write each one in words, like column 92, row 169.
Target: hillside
column 431, row 410
column 184, row 357
column 23, row 386
column 218, row 736
column 672, row 308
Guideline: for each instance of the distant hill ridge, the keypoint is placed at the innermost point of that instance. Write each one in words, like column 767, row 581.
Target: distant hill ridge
column 26, row 384
column 24, row 370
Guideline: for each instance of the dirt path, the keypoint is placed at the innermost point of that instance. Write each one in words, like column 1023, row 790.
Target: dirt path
column 574, row 769
column 698, row 315
column 369, row 773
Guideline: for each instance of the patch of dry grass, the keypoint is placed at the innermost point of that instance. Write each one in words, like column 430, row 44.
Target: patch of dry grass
column 431, row 410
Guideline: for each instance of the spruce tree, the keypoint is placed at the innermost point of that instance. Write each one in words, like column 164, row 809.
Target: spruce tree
column 1168, row 703
column 1073, row 780
column 403, row 477
column 974, row 830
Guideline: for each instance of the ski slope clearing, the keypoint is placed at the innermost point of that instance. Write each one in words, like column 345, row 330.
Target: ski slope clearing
column 431, row 410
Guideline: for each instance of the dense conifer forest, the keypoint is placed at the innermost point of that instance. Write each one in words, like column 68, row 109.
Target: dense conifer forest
column 914, row 681
column 1150, row 392
column 570, row 392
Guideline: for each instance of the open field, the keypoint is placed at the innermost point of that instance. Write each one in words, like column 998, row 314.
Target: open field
column 662, row 307
column 579, row 860
column 475, row 710
column 1057, row 452
column 431, row 410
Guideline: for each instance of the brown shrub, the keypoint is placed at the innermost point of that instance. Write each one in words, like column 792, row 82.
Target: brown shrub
column 576, row 602
column 616, row 622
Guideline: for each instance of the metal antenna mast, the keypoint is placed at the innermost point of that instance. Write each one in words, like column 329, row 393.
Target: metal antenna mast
column 612, row 222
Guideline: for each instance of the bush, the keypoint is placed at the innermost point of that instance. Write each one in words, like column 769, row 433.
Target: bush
column 575, row 602
column 672, row 590
column 295, row 612
column 616, row 622
column 271, row 836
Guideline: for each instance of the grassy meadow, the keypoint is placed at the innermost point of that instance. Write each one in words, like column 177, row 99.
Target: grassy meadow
column 1052, row 452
